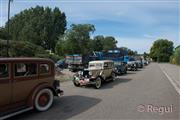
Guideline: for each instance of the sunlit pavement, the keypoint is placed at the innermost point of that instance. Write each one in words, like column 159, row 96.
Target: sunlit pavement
column 172, row 72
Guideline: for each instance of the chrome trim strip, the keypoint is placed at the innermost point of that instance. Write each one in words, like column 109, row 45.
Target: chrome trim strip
column 15, row 113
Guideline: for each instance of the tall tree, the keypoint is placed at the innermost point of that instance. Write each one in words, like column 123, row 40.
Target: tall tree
column 38, row 25
column 96, row 44
column 161, row 50
column 76, row 39
column 100, row 43
column 109, row 42
column 3, row 34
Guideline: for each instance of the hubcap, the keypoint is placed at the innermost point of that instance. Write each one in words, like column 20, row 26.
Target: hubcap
column 98, row 83
column 44, row 99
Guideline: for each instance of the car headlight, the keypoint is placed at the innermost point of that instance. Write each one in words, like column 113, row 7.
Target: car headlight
column 90, row 73
column 76, row 78
column 80, row 72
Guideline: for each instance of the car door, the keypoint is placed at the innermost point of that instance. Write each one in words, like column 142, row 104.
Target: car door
column 25, row 78
column 110, row 68
column 5, row 84
column 107, row 69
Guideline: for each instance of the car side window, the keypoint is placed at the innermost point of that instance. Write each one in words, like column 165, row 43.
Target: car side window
column 4, row 71
column 44, row 69
column 105, row 65
column 25, row 69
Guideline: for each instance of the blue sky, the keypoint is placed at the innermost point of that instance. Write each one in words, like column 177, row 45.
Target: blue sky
column 136, row 24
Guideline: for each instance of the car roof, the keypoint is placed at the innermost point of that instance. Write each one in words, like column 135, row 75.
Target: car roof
column 10, row 59
column 101, row 61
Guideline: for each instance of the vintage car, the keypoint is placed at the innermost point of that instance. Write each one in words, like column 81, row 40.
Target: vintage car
column 145, row 62
column 97, row 72
column 120, row 68
column 132, row 65
column 25, row 84
column 61, row 64
column 139, row 63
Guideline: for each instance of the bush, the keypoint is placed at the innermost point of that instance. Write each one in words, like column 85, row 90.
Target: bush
column 175, row 58
column 25, row 49
column 54, row 57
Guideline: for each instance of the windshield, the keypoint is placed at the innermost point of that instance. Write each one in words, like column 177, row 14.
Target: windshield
column 95, row 65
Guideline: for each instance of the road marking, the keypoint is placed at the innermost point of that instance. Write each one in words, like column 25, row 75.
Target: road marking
column 175, row 85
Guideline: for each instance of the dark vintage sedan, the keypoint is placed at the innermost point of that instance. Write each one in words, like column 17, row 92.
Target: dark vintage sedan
column 120, row 68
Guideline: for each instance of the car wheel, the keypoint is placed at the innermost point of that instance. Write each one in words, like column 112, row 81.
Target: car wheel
column 98, row 83
column 75, row 83
column 43, row 100
column 113, row 76
column 120, row 72
column 125, row 71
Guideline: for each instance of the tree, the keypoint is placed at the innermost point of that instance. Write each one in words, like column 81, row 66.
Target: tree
column 3, row 34
column 96, row 44
column 25, row 49
column 177, row 55
column 175, row 58
column 75, row 40
column 161, row 50
column 145, row 55
column 109, row 42
column 38, row 25
column 129, row 51
column 100, row 43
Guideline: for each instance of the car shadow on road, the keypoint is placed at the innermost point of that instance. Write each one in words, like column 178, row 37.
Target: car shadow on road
column 109, row 85
column 63, row 108
column 129, row 72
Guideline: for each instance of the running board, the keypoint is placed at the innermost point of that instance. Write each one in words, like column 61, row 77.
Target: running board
column 15, row 113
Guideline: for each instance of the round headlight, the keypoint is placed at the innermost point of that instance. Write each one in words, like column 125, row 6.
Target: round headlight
column 80, row 72
column 90, row 73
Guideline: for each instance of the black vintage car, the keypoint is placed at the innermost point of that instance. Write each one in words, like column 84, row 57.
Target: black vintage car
column 139, row 63
column 120, row 68
column 61, row 64
column 132, row 64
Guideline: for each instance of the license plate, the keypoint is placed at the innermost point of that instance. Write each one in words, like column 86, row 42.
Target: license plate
column 87, row 80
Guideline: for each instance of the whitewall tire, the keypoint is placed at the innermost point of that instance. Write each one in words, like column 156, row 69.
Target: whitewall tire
column 43, row 100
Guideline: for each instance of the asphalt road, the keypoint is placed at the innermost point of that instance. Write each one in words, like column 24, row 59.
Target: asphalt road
column 147, row 88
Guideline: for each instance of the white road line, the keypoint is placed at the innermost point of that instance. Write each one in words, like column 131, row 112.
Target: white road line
column 172, row 81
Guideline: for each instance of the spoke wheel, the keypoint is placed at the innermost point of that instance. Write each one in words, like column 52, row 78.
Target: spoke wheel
column 98, row 83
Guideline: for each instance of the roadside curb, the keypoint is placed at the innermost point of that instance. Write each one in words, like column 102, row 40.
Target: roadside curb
column 173, row 82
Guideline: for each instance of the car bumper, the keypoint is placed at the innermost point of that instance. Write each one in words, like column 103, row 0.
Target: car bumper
column 58, row 91
column 85, row 81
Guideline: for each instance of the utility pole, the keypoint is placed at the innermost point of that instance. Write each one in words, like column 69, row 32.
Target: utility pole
column 9, row 3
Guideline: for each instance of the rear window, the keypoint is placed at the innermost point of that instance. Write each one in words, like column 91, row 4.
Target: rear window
column 44, row 69
column 25, row 69
column 4, row 71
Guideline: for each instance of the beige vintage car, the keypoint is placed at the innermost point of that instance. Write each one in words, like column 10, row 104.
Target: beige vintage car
column 26, row 83
column 97, row 72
